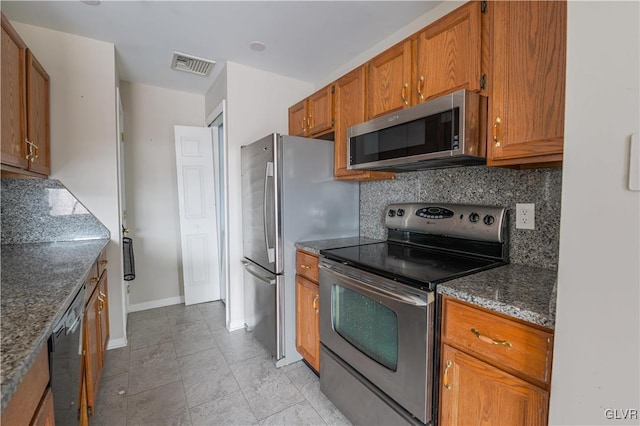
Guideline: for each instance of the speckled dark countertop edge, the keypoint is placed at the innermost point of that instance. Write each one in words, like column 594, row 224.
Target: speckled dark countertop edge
column 314, row 247
column 13, row 374
column 519, row 291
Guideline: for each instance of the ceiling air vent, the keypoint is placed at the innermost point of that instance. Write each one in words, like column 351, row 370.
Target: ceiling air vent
column 192, row 64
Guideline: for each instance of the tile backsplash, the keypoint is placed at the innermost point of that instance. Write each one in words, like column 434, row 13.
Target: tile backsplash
column 42, row 211
column 477, row 185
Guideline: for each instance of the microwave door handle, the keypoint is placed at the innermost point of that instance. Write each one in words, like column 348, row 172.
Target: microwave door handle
column 268, row 173
column 355, row 285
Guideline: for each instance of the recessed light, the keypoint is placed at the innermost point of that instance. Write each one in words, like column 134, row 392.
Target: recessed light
column 91, row 2
column 258, row 46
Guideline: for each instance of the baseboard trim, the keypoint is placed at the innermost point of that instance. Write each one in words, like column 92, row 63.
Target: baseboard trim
column 156, row 304
column 117, row 343
column 236, row 325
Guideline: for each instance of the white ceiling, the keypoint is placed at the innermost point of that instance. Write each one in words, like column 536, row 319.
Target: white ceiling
column 306, row 40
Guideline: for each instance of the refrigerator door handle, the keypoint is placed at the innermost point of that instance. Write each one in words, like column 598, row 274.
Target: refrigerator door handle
column 268, row 173
column 250, row 269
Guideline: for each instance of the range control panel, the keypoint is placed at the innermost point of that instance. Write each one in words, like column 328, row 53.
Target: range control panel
column 485, row 223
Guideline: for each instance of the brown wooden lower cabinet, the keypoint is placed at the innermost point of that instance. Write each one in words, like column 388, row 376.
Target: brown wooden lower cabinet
column 32, row 403
column 308, row 321
column 494, row 369
column 308, row 308
column 475, row 392
column 95, row 340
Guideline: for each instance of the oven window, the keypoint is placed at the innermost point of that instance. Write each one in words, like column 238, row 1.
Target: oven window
column 366, row 324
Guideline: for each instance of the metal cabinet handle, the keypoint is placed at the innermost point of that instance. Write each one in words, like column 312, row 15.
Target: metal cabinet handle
column 489, row 340
column 403, row 93
column 314, row 305
column 420, row 87
column 445, row 378
column 305, row 266
column 496, row 129
column 103, row 262
column 93, row 280
column 30, row 154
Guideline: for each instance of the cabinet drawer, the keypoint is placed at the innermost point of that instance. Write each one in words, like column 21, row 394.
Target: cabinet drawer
column 508, row 344
column 102, row 262
column 307, row 265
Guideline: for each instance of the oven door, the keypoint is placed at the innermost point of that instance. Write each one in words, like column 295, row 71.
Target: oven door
column 383, row 330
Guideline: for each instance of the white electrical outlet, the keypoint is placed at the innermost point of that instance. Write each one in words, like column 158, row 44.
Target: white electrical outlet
column 525, row 216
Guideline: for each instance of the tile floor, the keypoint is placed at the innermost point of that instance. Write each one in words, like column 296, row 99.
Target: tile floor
column 182, row 367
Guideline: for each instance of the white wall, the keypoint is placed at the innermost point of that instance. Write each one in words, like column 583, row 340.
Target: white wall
column 597, row 349
column 257, row 104
column 83, row 136
column 151, row 188
column 216, row 93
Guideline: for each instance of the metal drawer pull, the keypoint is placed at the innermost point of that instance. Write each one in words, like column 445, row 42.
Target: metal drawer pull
column 445, row 379
column 313, row 304
column 489, row 340
column 305, row 266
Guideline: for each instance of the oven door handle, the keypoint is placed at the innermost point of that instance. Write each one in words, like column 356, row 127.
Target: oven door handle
column 354, row 284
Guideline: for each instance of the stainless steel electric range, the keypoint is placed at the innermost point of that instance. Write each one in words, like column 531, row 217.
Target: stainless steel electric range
column 378, row 310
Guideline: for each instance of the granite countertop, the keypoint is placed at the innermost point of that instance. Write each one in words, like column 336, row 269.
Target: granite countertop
column 519, row 291
column 39, row 282
column 314, row 247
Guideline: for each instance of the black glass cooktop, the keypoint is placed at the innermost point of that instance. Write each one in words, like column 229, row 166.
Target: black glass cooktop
column 417, row 266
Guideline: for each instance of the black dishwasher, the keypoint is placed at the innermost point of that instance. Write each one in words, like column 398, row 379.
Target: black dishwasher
column 65, row 355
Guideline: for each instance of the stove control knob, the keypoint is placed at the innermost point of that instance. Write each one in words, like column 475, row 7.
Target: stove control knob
column 400, row 212
column 392, row 213
column 489, row 220
column 474, row 217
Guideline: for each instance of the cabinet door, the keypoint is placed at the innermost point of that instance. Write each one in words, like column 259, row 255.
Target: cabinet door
column 298, row 119
column 13, row 53
column 38, row 115
column 449, row 53
column 103, row 317
column 320, row 112
column 526, row 106
column 45, row 415
column 91, row 350
column 350, row 109
column 308, row 321
column 389, row 80
column 474, row 392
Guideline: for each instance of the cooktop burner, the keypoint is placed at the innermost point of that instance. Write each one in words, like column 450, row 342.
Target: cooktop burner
column 416, row 266
column 432, row 243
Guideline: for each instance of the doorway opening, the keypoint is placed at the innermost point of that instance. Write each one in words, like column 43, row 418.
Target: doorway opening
column 216, row 123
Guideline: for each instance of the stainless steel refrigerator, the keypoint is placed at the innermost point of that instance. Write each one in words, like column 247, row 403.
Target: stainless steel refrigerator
column 288, row 195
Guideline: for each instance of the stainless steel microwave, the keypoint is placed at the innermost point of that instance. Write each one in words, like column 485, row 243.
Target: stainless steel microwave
column 447, row 131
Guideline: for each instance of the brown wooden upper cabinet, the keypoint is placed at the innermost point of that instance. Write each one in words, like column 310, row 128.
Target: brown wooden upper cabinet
column 527, row 97
column 448, row 54
column 350, row 109
column 512, row 52
column 313, row 116
column 389, row 80
column 25, row 107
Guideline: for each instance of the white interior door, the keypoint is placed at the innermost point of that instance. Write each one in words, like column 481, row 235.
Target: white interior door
column 196, row 201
